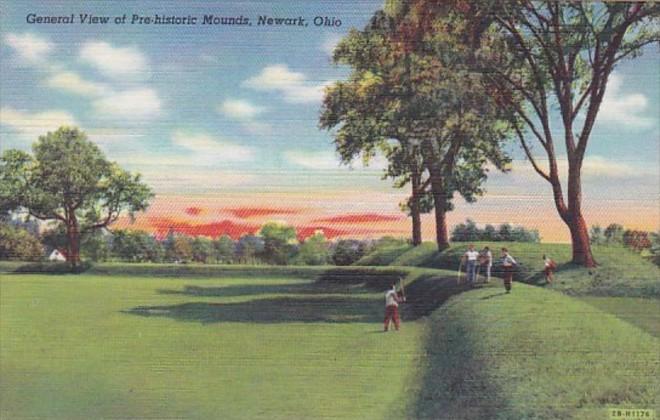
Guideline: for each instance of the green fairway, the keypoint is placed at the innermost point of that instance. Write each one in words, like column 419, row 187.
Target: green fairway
column 92, row 346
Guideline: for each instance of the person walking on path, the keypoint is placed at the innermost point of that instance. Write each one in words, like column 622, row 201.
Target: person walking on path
column 487, row 261
column 508, row 264
column 392, row 300
column 471, row 258
column 549, row 267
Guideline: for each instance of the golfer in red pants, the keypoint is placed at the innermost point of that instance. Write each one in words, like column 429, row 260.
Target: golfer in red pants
column 392, row 301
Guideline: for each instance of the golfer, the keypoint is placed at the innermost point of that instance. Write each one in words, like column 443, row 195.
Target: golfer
column 548, row 268
column 392, row 301
column 508, row 264
column 471, row 257
column 486, row 260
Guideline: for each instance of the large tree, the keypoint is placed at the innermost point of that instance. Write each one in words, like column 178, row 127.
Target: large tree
column 411, row 90
column 67, row 179
column 560, row 55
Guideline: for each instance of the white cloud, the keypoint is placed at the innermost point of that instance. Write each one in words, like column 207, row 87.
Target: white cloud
column 209, row 150
column 33, row 125
column 312, row 160
column 239, row 109
column 329, row 161
column 141, row 103
column 619, row 107
column 294, row 86
column 245, row 113
column 115, row 62
column 72, row 82
column 593, row 167
column 29, row 47
column 330, row 43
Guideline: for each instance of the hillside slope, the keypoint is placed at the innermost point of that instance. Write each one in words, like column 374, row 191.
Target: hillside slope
column 533, row 354
column 620, row 272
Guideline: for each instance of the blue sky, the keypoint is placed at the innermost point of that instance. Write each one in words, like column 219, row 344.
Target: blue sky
column 207, row 109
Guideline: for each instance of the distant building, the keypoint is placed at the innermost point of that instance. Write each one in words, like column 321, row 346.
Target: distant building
column 57, row 255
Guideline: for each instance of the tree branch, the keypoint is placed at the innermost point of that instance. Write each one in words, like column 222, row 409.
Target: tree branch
column 528, row 153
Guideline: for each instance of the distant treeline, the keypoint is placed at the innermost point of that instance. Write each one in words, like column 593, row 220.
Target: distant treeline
column 469, row 232
column 274, row 244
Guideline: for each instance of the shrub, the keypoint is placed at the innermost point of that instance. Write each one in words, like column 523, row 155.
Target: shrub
column 314, row 251
column 348, row 251
column 19, row 244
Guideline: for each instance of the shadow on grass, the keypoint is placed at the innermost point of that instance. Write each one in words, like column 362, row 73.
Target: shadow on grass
column 270, row 311
column 329, row 299
column 455, row 382
column 260, row 289
column 428, row 292
column 494, row 295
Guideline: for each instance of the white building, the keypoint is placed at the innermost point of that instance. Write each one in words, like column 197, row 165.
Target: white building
column 56, row 255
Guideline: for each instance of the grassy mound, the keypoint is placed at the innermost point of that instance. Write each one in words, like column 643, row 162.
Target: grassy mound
column 384, row 255
column 533, row 354
column 620, row 271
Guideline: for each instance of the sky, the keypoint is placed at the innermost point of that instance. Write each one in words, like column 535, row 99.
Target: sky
column 222, row 121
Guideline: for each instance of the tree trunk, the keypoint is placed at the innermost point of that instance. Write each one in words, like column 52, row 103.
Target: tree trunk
column 580, row 241
column 440, row 203
column 576, row 224
column 441, row 225
column 73, row 248
column 414, row 210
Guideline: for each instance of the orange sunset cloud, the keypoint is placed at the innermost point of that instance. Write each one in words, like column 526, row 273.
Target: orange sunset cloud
column 193, row 211
column 249, row 212
column 162, row 226
column 358, row 218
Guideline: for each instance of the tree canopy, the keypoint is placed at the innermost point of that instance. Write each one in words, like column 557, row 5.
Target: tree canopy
column 68, row 179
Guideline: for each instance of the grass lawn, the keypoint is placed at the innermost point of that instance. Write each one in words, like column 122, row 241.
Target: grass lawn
column 306, row 343
column 644, row 313
column 533, row 354
column 90, row 346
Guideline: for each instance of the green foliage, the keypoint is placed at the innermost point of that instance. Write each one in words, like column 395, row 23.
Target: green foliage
column 178, row 248
column 614, row 234
column 136, row 246
column 348, row 251
column 248, row 248
column 96, row 246
column 68, row 179
column 202, row 249
column 420, row 104
column 596, row 235
column 314, row 251
column 469, row 232
column 655, row 248
column 224, row 249
column 636, row 240
column 278, row 242
column 19, row 244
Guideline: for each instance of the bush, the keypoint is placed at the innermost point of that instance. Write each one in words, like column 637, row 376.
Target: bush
column 314, row 251
column 136, row 246
column 348, row 251
column 224, row 249
column 18, row 244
